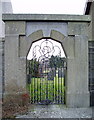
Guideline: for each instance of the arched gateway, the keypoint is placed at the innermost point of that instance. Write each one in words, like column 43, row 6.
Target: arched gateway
column 46, row 70
column 71, row 32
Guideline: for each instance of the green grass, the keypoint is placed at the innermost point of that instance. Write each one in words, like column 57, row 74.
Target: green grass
column 40, row 88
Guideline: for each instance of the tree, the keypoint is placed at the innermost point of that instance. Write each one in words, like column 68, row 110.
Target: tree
column 33, row 67
column 56, row 62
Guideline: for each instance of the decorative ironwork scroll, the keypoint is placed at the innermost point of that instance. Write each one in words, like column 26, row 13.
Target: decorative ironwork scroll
column 46, row 49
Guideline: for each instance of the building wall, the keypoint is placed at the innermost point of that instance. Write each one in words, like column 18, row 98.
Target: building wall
column 7, row 6
column 91, row 58
column 4, row 8
column 0, row 62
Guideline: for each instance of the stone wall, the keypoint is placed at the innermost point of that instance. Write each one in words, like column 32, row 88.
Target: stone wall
column 0, row 63
column 70, row 31
column 91, row 38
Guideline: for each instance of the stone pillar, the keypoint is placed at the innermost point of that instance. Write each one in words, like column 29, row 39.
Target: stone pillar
column 15, row 66
column 77, row 81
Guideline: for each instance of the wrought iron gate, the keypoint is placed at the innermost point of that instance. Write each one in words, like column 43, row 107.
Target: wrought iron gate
column 46, row 73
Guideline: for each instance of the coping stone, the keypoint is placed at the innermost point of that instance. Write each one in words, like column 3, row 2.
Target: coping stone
column 46, row 17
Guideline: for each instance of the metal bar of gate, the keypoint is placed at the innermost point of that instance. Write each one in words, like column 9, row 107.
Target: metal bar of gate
column 61, row 85
column 37, row 89
column 46, row 84
column 61, row 88
column 58, row 85
column 40, row 86
column 34, row 91
column 53, row 86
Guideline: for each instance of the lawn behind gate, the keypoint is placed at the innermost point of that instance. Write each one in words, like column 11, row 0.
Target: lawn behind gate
column 41, row 89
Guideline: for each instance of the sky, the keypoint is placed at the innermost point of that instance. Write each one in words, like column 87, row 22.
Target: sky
column 49, row 6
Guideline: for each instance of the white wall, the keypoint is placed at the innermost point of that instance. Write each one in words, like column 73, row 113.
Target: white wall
column 6, row 6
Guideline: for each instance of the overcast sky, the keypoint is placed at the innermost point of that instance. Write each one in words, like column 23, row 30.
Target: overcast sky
column 49, row 6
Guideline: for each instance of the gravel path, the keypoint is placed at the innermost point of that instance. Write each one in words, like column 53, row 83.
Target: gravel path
column 56, row 111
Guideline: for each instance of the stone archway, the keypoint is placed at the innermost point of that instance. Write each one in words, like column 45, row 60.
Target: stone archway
column 75, row 46
column 45, row 94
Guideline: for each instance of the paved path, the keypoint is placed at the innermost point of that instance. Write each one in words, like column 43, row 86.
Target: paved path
column 57, row 111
